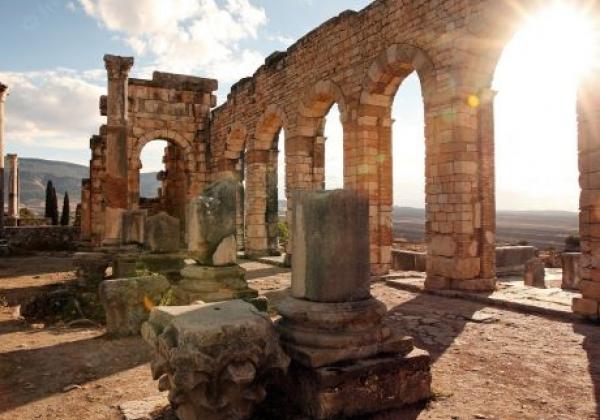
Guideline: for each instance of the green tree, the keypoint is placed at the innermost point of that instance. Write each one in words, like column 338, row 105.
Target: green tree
column 64, row 219
column 51, row 210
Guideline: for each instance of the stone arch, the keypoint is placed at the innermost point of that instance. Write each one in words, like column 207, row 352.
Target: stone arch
column 268, row 126
column 388, row 71
column 179, row 181
column 315, row 105
column 236, row 141
column 168, row 135
column 261, row 184
column 374, row 138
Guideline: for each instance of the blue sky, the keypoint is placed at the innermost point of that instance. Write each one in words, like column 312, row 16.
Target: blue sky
column 52, row 60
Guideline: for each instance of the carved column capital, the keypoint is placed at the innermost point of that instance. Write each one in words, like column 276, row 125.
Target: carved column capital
column 117, row 67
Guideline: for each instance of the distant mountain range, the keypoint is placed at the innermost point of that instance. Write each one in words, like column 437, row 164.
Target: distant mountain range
column 540, row 228
column 35, row 173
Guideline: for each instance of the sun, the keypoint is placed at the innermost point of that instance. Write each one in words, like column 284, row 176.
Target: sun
column 561, row 41
column 537, row 80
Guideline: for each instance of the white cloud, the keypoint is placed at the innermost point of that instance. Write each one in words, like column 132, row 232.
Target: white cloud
column 186, row 36
column 55, row 109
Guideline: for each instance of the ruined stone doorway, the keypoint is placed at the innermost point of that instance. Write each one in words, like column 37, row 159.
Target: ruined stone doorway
column 161, row 179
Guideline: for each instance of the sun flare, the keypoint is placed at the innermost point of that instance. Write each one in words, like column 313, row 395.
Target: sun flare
column 536, row 125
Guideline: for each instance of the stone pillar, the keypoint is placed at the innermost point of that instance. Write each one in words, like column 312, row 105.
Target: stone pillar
column 256, row 202
column 211, row 223
column 455, row 198
column 487, row 186
column 369, row 140
column 588, row 116
column 299, row 151
column 3, row 95
column 272, row 211
column 331, row 316
column 13, row 186
column 115, row 179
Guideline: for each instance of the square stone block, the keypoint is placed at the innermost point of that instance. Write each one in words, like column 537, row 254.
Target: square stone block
column 362, row 387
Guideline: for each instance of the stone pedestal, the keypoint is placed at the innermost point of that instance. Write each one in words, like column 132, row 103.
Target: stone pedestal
column 332, row 327
column 90, row 268
column 571, row 270
column 535, row 273
column 212, row 284
column 214, row 359
column 128, row 302
column 363, row 387
column 211, row 224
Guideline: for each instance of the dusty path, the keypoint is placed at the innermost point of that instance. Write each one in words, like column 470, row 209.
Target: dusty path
column 488, row 363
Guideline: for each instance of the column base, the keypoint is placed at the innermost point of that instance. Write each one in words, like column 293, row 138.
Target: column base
column 212, row 284
column 321, row 334
column 360, row 387
column 471, row 285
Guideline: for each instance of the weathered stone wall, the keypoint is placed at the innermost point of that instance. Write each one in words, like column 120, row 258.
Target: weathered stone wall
column 170, row 107
column 358, row 60
column 42, row 238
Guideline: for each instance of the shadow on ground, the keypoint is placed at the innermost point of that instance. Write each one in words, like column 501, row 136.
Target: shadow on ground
column 591, row 344
column 29, row 375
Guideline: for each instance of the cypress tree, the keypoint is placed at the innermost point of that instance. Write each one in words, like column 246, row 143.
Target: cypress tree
column 64, row 219
column 51, row 210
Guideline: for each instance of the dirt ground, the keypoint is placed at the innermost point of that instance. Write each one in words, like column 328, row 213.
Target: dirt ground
column 487, row 363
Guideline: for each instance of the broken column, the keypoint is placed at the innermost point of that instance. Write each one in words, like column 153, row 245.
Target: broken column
column 13, row 187
column 214, row 359
column 535, row 273
column 571, row 270
column 332, row 327
column 211, row 237
column 3, row 95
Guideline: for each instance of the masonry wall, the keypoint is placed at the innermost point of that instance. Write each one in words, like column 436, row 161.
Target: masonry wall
column 42, row 238
column 358, row 60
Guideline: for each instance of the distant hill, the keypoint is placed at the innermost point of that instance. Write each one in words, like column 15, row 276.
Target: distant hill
column 35, row 173
column 541, row 228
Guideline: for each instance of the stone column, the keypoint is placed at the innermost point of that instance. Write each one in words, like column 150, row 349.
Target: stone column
column 487, row 186
column 86, row 221
column 588, row 116
column 455, row 169
column 331, row 316
column 3, row 95
column 256, row 202
column 299, row 151
column 115, row 180
column 272, row 211
column 13, row 186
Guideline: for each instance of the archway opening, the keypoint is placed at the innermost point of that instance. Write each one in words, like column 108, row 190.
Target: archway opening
column 536, row 141
column 331, row 143
column 408, row 175
column 152, row 164
column 282, row 226
column 162, row 182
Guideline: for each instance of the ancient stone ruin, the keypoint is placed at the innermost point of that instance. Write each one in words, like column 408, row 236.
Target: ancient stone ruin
column 293, row 90
column 327, row 344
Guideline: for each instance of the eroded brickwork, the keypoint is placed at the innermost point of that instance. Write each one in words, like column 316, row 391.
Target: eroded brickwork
column 358, row 60
column 169, row 107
